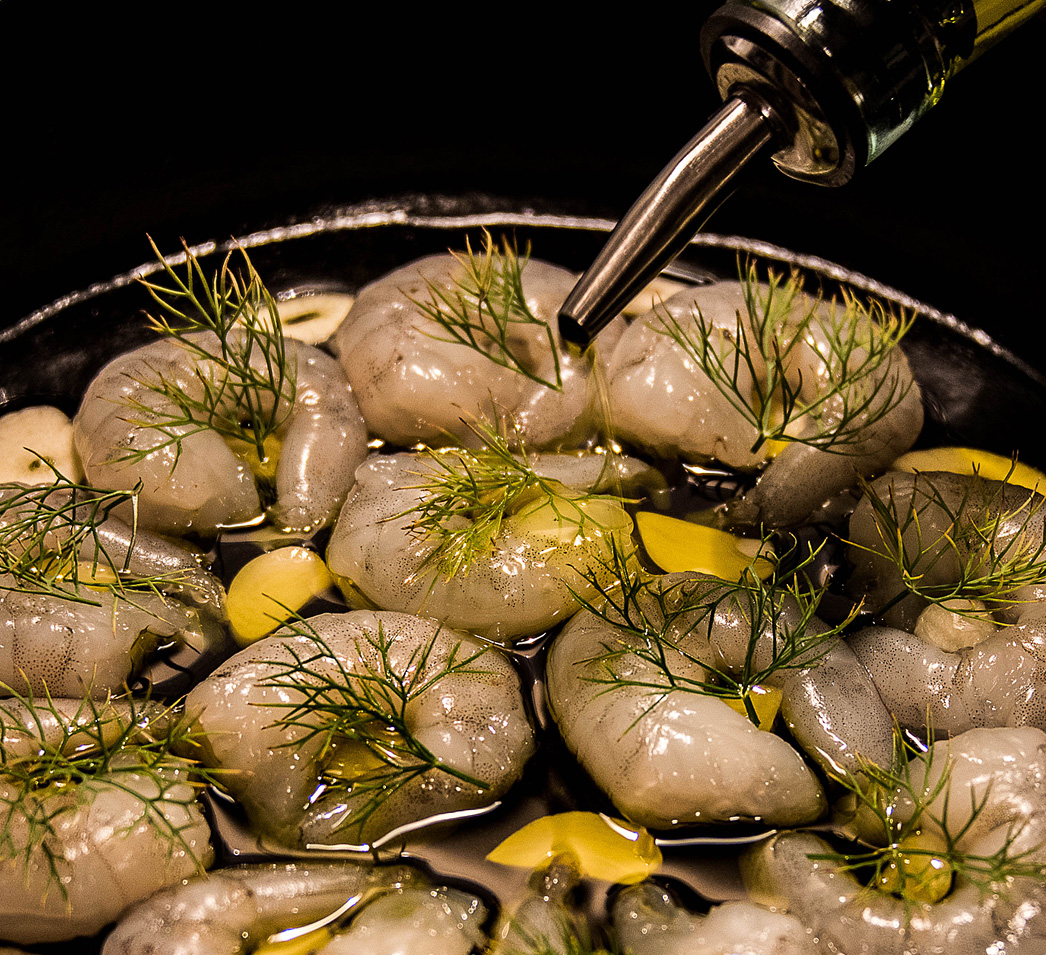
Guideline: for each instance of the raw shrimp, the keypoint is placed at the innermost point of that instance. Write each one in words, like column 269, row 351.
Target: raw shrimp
column 949, row 534
column 70, row 635
column 353, row 726
column 234, row 910
column 662, row 399
column 649, row 921
column 980, row 801
column 415, row 384
column 132, row 427
column 636, row 701
column 515, row 571
column 97, row 814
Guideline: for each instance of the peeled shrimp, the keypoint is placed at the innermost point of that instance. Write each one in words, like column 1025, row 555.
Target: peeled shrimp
column 987, row 788
column 649, row 921
column 415, row 386
column 306, row 776
column 53, row 644
column 520, row 581
column 670, row 756
column 77, row 852
column 196, row 483
column 662, row 400
column 983, row 675
column 230, row 911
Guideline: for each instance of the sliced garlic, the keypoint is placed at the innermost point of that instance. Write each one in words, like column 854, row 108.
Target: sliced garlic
column 35, row 440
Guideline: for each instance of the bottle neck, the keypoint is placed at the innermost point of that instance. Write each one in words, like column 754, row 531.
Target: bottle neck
column 848, row 77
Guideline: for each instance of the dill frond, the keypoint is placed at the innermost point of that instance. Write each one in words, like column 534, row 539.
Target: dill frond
column 982, row 542
column 468, row 494
column 366, row 706
column 244, row 384
column 668, row 625
column 899, row 804
column 487, row 309
column 57, row 757
column 756, row 369
column 51, row 543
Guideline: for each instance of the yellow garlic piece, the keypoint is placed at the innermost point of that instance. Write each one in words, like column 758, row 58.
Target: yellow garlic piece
column 995, row 467
column 604, row 848
column 676, row 545
column 916, row 873
column 271, row 588
column 766, row 701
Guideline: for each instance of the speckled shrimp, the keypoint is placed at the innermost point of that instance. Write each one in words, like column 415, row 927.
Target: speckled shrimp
column 415, row 383
column 965, row 542
column 649, row 921
column 981, row 801
column 519, row 567
column 662, row 398
column 360, row 725
column 69, row 635
column 132, row 427
column 634, row 701
column 232, row 911
column 95, row 816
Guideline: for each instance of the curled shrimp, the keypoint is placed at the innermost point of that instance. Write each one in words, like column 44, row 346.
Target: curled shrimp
column 418, row 381
column 83, row 595
column 350, row 727
column 234, row 910
column 162, row 416
column 491, row 543
column 639, row 689
column 924, row 543
column 648, row 920
column 979, row 804
column 697, row 377
column 97, row 814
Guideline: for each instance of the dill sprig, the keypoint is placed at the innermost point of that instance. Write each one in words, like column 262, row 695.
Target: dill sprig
column 366, row 706
column 466, row 495
column 244, row 383
column 992, row 544
column 781, row 328
column 59, row 756
column 487, row 308
column 898, row 805
column 51, row 542
column 668, row 626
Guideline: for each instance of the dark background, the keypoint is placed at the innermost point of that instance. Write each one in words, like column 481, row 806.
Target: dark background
column 205, row 122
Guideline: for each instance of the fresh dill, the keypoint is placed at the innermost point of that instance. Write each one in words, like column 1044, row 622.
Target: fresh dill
column 51, row 542
column 243, row 385
column 667, row 625
column 466, row 495
column 898, row 806
column 757, row 369
column 58, row 757
column 365, row 707
column 953, row 539
column 487, row 309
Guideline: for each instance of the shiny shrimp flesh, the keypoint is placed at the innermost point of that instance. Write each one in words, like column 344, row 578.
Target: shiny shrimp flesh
column 640, row 691
column 360, row 908
column 71, row 634
column 980, row 804
column 441, row 534
column 649, row 921
column 664, row 398
column 416, row 383
column 162, row 415
column 925, row 543
column 353, row 726
column 92, row 822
